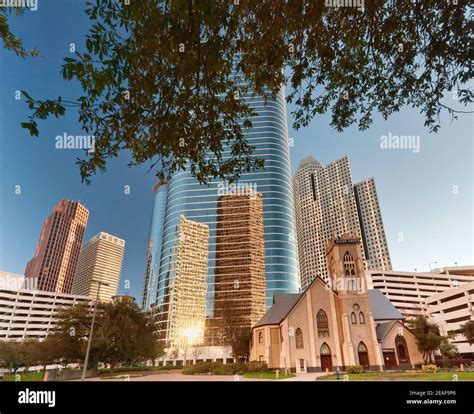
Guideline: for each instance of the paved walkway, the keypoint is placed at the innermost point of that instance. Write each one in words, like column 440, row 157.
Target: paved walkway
column 180, row 377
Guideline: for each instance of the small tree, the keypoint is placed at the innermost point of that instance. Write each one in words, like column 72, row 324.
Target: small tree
column 427, row 337
column 467, row 329
column 448, row 350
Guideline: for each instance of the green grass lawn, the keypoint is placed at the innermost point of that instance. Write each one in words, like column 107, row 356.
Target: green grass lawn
column 267, row 375
column 24, row 376
column 404, row 376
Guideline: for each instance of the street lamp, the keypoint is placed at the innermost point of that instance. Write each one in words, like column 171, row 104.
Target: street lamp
column 89, row 341
column 429, row 265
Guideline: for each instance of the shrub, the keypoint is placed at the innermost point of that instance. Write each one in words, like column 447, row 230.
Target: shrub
column 429, row 368
column 355, row 369
column 216, row 368
column 256, row 366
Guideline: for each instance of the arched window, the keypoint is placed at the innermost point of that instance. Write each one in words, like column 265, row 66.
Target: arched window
column 322, row 323
column 353, row 318
column 260, row 337
column 402, row 350
column 361, row 317
column 349, row 267
column 299, row 338
column 361, row 347
column 325, row 350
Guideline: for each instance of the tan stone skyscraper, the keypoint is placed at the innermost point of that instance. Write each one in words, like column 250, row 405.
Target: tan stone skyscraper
column 56, row 255
column 188, row 292
column 101, row 260
column 240, row 260
column 327, row 204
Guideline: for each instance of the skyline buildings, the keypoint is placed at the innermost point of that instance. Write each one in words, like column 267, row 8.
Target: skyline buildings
column 155, row 239
column 55, row 259
column 188, row 286
column 100, row 260
column 239, row 299
column 185, row 196
column 327, row 204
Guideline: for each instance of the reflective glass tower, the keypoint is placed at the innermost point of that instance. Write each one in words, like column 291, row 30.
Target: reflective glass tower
column 154, row 244
column 199, row 203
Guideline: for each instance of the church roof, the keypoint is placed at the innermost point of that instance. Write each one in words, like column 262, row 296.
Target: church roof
column 381, row 307
column 383, row 329
column 282, row 305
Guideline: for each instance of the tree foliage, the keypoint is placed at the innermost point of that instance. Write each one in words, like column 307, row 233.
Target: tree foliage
column 467, row 330
column 427, row 336
column 160, row 82
column 122, row 334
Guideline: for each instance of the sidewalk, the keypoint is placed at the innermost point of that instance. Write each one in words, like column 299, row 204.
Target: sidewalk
column 307, row 376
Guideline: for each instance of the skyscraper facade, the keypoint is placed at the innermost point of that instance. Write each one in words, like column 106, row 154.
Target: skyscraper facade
column 239, row 299
column 100, row 260
column 327, row 205
column 57, row 252
column 188, row 286
column 373, row 232
column 153, row 255
column 269, row 136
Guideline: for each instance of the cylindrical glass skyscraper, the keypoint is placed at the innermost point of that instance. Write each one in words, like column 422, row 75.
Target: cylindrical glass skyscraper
column 155, row 243
column 196, row 202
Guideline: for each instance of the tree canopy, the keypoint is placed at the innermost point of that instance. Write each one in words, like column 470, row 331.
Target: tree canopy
column 168, row 84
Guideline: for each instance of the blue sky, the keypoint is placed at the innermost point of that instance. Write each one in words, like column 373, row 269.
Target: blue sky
column 425, row 218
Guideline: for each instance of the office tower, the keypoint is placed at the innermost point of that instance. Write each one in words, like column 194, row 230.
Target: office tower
column 239, row 286
column 100, row 262
column 153, row 255
column 327, row 205
column 371, row 225
column 188, row 287
column 56, row 255
column 269, row 136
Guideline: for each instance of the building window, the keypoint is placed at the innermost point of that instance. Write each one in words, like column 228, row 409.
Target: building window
column 361, row 318
column 299, row 338
column 260, row 337
column 353, row 318
column 348, row 264
column 322, row 323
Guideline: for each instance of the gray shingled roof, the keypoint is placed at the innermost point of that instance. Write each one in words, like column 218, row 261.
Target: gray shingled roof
column 282, row 304
column 383, row 329
column 381, row 307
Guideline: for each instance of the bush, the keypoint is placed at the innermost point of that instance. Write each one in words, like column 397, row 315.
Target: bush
column 429, row 368
column 219, row 368
column 256, row 366
column 355, row 369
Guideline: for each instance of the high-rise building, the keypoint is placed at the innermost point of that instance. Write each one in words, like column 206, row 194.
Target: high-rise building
column 185, row 196
column 153, row 255
column 188, row 287
column 56, row 255
column 239, row 285
column 371, row 226
column 328, row 205
column 100, row 260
